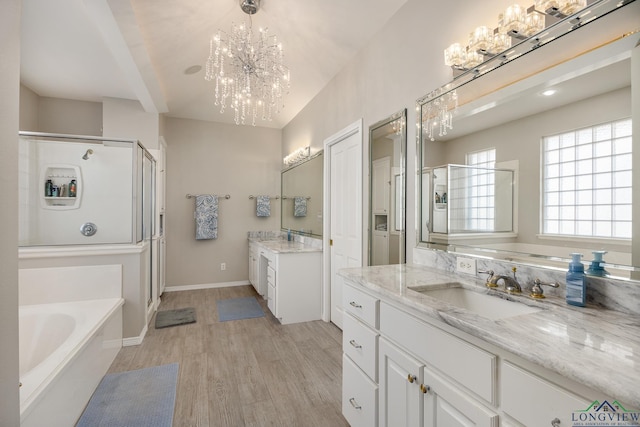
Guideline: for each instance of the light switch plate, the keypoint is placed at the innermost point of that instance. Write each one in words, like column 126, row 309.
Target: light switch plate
column 466, row 265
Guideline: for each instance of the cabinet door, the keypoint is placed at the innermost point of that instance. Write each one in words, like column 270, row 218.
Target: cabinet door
column 380, row 244
column 548, row 402
column 380, row 185
column 400, row 379
column 445, row 405
column 271, row 299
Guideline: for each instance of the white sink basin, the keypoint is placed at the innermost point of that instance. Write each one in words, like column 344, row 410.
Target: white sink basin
column 490, row 307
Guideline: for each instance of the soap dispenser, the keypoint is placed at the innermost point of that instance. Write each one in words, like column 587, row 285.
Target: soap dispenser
column 576, row 282
column 596, row 268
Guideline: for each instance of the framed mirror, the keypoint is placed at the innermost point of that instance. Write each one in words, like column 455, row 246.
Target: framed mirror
column 387, row 190
column 301, row 203
column 537, row 166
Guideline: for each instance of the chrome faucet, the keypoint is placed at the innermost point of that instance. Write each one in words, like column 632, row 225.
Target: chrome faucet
column 511, row 284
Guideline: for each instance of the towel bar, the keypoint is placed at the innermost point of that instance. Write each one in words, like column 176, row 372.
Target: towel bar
column 189, row 196
column 271, row 197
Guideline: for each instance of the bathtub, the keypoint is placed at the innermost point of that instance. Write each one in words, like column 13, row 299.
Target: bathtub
column 65, row 350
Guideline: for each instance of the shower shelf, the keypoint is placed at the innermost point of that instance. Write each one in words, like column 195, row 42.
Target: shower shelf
column 61, row 174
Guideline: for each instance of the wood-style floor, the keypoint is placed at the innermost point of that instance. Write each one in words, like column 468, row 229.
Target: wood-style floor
column 252, row 372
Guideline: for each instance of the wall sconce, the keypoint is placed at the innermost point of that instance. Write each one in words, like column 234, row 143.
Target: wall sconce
column 297, row 156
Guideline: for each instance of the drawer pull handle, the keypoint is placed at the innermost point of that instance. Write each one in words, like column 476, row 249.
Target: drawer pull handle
column 354, row 403
column 411, row 378
column 425, row 388
column 355, row 304
column 555, row 422
column 355, row 344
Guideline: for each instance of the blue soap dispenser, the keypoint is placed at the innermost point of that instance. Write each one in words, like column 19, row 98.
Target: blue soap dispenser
column 576, row 282
column 596, row 268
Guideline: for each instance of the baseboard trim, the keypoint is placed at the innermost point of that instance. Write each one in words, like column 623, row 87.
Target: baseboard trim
column 206, row 286
column 127, row 342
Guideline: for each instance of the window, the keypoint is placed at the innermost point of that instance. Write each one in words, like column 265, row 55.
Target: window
column 586, row 178
column 474, row 210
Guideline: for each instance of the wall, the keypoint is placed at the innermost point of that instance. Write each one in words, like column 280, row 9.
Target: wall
column 57, row 115
column 29, row 104
column 402, row 63
column 9, row 124
column 215, row 158
column 126, row 119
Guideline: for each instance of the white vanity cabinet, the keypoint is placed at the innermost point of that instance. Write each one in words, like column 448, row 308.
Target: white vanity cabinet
column 452, row 380
column 289, row 277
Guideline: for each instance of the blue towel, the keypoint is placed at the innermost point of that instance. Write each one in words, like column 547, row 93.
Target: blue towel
column 206, row 217
column 299, row 206
column 263, row 206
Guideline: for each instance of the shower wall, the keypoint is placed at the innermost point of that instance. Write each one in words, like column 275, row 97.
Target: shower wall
column 104, row 191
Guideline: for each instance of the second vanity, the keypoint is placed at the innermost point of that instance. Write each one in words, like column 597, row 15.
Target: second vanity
column 288, row 274
column 413, row 358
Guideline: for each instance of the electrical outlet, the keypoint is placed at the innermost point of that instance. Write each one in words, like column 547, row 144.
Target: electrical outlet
column 223, row 266
column 466, row 265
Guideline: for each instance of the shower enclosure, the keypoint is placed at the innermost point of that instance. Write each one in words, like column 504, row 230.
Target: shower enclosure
column 80, row 190
column 87, row 200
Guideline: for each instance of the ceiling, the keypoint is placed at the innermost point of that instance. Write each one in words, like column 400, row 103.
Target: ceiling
column 140, row 49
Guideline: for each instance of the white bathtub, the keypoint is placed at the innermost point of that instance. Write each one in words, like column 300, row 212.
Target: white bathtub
column 65, row 350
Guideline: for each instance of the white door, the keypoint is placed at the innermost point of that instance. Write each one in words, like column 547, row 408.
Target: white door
column 343, row 208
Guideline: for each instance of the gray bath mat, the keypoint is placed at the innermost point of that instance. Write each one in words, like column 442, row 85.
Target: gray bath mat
column 141, row 398
column 180, row 316
column 238, row 309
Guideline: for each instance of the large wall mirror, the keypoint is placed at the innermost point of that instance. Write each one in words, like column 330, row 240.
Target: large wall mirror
column 302, row 197
column 387, row 166
column 540, row 167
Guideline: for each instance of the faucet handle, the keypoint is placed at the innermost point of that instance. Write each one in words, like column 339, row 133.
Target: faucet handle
column 536, row 290
column 490, row 274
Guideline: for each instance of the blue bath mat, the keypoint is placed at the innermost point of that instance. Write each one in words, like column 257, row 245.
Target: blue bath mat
column 238, row 308
column 141, row 398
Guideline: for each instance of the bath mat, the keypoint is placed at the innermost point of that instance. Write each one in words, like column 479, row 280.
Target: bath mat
column 181, row 316
column 238, row 308
column 141, row 398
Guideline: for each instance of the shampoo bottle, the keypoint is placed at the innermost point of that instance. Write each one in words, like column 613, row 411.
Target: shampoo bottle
column 576, row 282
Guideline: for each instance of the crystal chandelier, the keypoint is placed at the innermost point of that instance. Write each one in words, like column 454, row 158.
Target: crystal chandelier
column 248, row 73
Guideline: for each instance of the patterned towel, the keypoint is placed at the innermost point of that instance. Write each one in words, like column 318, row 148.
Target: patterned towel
column 299, row 206
column 263, row 206
column 206, row 217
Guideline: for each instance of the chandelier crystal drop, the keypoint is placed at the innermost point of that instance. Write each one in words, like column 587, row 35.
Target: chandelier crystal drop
column 438, row 115
column 248, row 73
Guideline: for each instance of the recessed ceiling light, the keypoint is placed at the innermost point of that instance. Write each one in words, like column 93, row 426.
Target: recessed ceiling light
column 549, row 92
column 193, row 69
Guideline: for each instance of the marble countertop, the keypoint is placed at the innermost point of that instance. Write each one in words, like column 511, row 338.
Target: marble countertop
column 596, row 347
column 283, row 246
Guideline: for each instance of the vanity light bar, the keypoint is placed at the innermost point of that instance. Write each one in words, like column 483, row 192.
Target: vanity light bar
column 299, row 155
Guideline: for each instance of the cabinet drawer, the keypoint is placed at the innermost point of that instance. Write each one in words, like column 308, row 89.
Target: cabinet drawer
column 545, row 401
column 465, row 363
column 360, row 343
column 361, row 305
column 359, row 396
column 271, row 276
